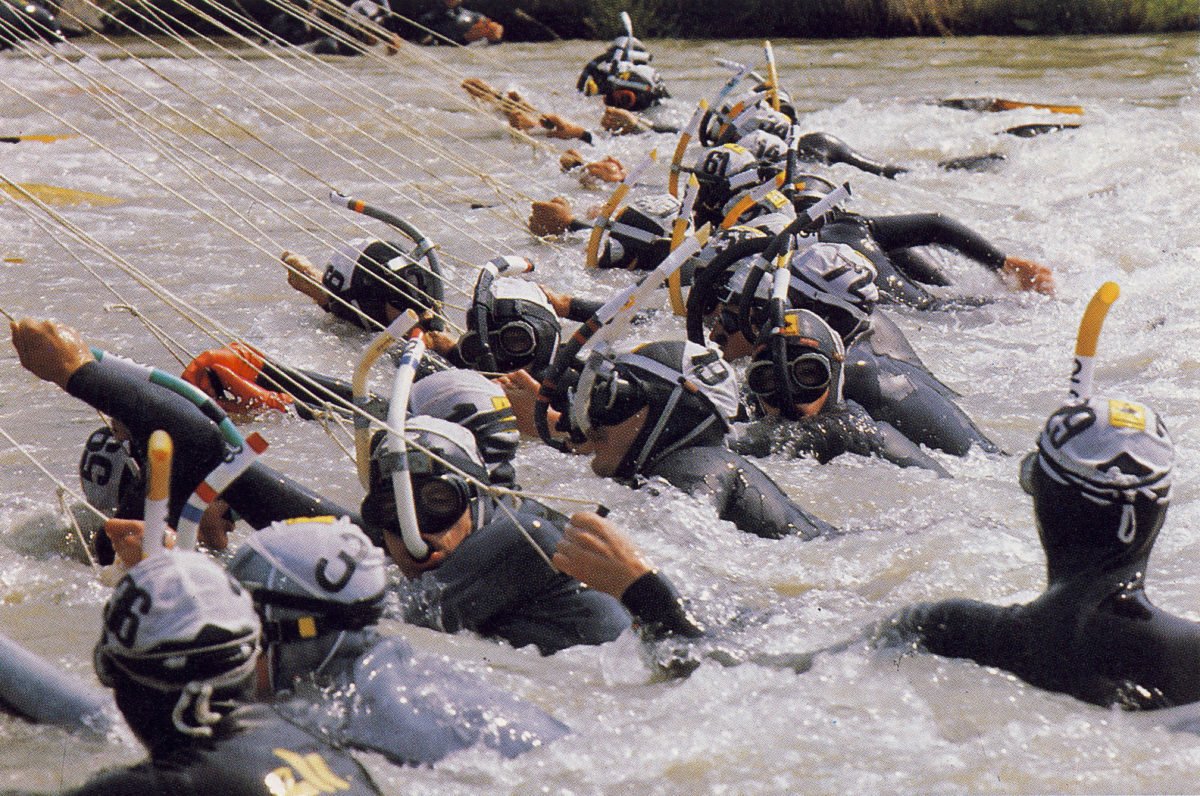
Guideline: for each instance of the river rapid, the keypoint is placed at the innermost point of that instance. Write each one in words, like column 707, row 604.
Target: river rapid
column 1113, row 199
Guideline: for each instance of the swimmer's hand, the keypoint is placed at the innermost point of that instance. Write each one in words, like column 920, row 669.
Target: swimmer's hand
column 410, row 567
column 558, row 127
column 594, row 551
column 126, row 535
column 304, row 277
column 1029, row 275
column 439, row 343
column 561, row 302
column 620, row 121
column 521, row 390
column 571, row 159
column 49, row 350
column 484, row 28
column 607, row 170
column 550, row 218
column 479, row 89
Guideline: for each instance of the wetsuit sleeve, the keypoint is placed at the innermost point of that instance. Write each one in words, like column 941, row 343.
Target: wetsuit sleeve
column 953, row 629
column 924, row 229
column 496, row 584
column 581, row 308
column 653, row 600
column 828, row 149
column 314, row 390
column 261, row 495
column 743, row 494
column 899, row 449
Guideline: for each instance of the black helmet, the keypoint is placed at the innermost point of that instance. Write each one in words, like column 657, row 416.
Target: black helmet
column 510, row 326
column 723, row 172
column 372, row 275
column 1101, row 484
column 634, row 86
column 837, row 283
column 640, row 236
column 441, row 493
column 692, row 393
column 797, row 363
column 312, row 579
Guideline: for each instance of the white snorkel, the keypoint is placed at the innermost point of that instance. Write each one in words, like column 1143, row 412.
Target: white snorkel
column 406, row 510
column 394, row 333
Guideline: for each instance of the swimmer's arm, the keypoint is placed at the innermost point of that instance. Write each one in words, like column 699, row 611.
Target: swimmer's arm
column 826, row 148
column 595, row 551
column 494, row 570
column 925, row 229
column 261, row 495
column 760, row 506
column 953, row 629
column 900, row 450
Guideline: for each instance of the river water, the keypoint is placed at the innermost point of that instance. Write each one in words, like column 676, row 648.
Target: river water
column 1110, row 200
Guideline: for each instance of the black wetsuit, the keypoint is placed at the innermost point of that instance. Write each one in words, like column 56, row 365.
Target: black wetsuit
column 1094, row 636
column 253, row 751
column 889, row 243
column 829, row 149
column 260, row 496
column 447, row 23
column 21, row 21
column 845, row 428
column 375, row 693
column 742, row 493
column 497, row 585
column 886, row 377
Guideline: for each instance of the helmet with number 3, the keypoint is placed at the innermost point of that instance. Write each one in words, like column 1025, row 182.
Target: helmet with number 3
column 312, row 580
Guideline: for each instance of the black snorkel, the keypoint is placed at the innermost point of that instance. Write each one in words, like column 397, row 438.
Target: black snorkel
column 425, row 249
column 716, row 272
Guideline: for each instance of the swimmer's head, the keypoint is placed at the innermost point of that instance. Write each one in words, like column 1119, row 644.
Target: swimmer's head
column 797, row 369
column 688, row 391
column 1101, row 484
column 837, row 283
column 633, row 86
column 641, row 236
column 517, row 322
column 446, row 469
column 313, row 580
column 108, row 472
column 379, row 279
column 176, row 626
column 479, row 405
column 723, row 172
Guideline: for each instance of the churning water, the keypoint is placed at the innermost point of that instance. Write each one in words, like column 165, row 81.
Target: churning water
column 206, row 218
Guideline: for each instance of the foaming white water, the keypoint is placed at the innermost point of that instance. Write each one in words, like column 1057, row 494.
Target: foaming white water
column 1110, row 200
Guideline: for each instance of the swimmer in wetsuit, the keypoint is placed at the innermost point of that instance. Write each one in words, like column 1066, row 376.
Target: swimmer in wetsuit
column 1101, row 485
column 495, row 584
column 451, row 23
column 883, row 373
column 25, row 21
column 796, row 380
column 662, row 410
column 623, row 77
column 482, row 571
column 319, row 587
column 179, row 648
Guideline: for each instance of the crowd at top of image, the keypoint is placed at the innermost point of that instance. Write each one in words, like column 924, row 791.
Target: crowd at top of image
column 271, row 670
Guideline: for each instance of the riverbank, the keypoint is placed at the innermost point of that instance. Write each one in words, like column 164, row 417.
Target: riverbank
column 821, row 19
